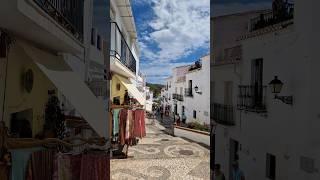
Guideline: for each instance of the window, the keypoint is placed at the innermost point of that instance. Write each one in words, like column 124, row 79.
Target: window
column 190, row 86
column 93, row 36
column 99, row 42
column 194, row 114
column 256, row 81
column 271, row 167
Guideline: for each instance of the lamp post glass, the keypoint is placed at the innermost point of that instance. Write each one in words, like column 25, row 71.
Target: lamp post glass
column 276, row 85
column 196, row 88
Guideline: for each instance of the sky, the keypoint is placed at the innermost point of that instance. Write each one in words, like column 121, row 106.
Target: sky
column 177, row 32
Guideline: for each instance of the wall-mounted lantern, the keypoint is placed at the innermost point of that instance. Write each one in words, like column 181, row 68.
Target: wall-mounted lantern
column 276, row 86
column 196, row 89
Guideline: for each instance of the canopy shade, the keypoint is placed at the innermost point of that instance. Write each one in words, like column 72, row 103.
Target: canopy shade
column 72, row 87
column 132, row 89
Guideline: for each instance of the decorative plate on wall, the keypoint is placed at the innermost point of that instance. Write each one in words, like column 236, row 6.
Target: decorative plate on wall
column 118, row 86
column 28, row 79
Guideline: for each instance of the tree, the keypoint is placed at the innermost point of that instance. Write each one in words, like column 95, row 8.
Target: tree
column 54, row 117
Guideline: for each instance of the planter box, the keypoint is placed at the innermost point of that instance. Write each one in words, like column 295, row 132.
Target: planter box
column 192, row 134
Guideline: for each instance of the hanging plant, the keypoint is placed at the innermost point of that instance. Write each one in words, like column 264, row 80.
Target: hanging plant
column 54, row 117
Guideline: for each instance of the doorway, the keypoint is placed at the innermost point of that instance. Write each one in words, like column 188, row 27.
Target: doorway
column 183, row 116
column 21, row 124
column 233, row 156
column 175, row 109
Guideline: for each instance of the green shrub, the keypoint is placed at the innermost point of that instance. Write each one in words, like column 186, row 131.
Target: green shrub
column 198, row 126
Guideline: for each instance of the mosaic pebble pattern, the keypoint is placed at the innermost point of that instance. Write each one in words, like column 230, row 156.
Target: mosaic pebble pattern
column 161, row 156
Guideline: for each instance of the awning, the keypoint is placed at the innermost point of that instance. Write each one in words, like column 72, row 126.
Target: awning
column 72, row 87
column 132, row 89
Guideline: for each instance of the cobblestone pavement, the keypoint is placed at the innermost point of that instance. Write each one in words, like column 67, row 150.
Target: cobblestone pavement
column 162, row 156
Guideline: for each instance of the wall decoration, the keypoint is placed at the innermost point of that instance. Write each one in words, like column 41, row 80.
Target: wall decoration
column 27, row 80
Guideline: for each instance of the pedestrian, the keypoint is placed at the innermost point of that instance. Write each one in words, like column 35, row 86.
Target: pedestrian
column 237, row 174
column 161, row 113
column 218, row 174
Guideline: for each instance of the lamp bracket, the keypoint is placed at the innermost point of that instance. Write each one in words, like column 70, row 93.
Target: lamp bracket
column 285, row 99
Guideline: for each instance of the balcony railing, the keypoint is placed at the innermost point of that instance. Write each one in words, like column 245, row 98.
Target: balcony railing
column 271, row 18
column 178, row 97
column 99, row 88
column 188, row 92
column 120, row 48
column 230, row 56
column 68, row 13
column 223, row 114
column 252, row 98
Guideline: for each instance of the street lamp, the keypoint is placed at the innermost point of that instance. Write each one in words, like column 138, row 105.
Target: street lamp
column 276, row 86
column 196, row 88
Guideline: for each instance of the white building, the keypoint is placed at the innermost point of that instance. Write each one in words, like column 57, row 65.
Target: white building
column 180, row 93
column 271, row 139
column 197, row 103
column 50, row 54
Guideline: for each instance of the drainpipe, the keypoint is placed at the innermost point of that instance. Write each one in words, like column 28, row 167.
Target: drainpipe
column 6, row 74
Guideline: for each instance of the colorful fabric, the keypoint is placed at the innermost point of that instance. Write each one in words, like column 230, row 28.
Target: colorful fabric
column 95, row 167
column 62, row 168
column 4, row 172
column 128, row 124
column 116, row 121
column 122, row 126
column 20, row 158
column 76, row 166
column 139, row 129
column 42, row 165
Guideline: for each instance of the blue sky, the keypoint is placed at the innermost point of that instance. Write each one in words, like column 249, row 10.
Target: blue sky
column 171, row 33
column 177, row 32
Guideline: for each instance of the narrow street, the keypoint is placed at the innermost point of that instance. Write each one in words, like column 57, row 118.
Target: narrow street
column 162, row 156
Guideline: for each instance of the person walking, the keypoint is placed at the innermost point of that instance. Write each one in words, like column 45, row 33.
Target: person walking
column 237, row 174
column 161, row 113
column 218, row 174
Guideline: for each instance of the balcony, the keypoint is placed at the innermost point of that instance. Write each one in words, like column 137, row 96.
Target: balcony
column 121, row 52
column 68, row 13
column 177, row 97
column 271, row 18
column 229, row 56
column 98, row 87
column 188, row 92
column 181, row 79
column 56, row 25
column 223, row 114
column 252, row 98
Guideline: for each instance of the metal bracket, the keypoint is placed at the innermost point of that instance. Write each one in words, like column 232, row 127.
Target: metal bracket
column 285, row 99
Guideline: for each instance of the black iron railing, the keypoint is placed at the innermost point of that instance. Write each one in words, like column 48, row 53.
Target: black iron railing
column 223, row 114
column 68, row 13
column 178, row 97
column 120, row 48
column 272, row 18
column 99, row 87
column 252, row 98
column 188, row 92
column 229, row 56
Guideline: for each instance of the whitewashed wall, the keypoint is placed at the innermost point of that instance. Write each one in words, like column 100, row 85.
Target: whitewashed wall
column 199, row 102
column 288, row 132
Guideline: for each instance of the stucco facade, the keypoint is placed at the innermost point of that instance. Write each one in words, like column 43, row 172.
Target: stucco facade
column 286, row 132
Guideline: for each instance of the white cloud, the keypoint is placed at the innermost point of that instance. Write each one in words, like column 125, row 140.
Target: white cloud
column 157, row 71
column 180, row 26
